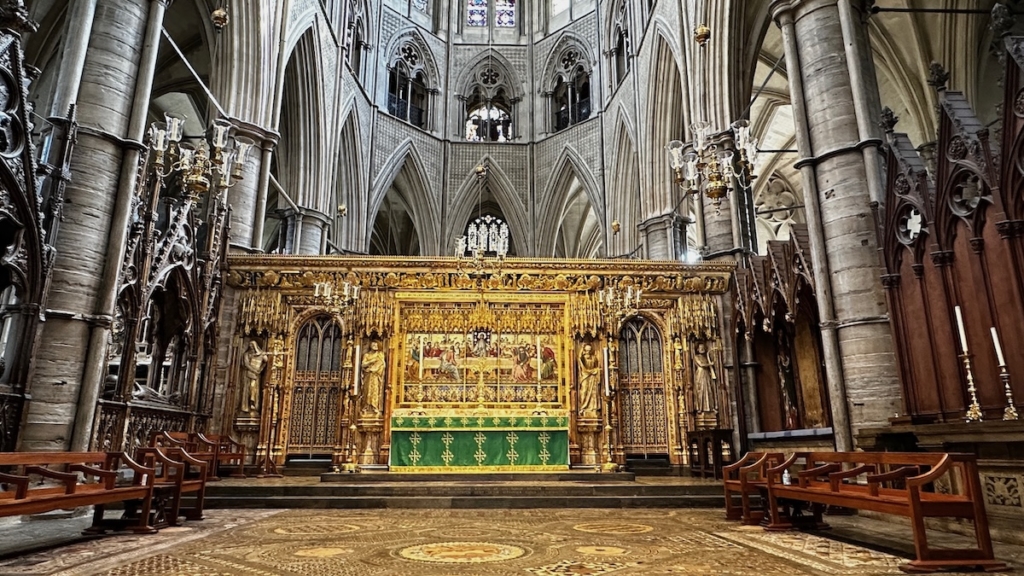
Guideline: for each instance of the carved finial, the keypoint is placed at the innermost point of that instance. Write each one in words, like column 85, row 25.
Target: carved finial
column 14, row 16
column 1002, row 20
column 937, row 76
column 889, row 120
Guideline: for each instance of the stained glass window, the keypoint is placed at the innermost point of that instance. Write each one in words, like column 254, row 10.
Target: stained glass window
column 420, row 5
column 505, row 13
column 476, row 13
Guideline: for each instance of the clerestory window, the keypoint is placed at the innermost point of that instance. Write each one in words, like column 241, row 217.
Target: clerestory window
column 408, row 92
column 479, row 13
column 489, row 113
column 570, row 98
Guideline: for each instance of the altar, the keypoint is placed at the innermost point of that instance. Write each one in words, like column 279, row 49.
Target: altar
column 428, row 366
column 446, row 441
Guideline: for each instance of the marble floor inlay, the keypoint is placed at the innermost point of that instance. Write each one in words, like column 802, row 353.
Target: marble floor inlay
column 584, row 542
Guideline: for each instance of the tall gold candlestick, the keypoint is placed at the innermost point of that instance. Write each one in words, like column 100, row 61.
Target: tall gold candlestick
column 1010, row 412
column 974, row 410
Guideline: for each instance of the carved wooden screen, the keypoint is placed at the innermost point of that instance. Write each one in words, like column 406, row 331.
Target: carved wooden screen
column 317, row 393
column 642, row 389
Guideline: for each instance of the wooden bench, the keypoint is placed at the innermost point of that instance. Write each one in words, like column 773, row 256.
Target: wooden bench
column 744, row 478
column 894, row 483
column 66, row 490
column 198, row 449
column 227, row 452
column 176, row 474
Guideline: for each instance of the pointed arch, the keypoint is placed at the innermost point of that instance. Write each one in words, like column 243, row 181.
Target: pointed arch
column 504, row 193
column 570, row 182
column 566, row 41
column 406, row 161
column 350, row 186
column 414, row 36
column 622, row 193
column 300, row 166
column 666, row 123
column 493, row 59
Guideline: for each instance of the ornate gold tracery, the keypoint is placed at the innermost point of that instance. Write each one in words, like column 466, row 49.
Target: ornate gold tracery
column 461, row 349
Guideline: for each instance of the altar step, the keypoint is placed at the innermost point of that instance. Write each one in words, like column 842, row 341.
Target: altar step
column 480, row 494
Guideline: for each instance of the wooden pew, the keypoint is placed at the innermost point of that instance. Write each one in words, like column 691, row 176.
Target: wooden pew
column 227, row 450
column 894, row 483
column 176, row 474
column 67, row 491
column 744, row 478
column 196, row 448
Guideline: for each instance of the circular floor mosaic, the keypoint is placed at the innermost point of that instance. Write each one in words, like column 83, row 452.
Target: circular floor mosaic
column 461, row 552
column 613, row 528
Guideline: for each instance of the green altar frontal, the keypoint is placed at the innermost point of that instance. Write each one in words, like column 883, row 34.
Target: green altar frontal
column 474, row 442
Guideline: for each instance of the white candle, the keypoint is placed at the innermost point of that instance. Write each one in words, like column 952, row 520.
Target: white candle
column 607, row 375
column 960, row 326
column 999, row 349
column 359, row 371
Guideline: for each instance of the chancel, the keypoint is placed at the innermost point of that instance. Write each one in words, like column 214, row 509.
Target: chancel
column 595, row 270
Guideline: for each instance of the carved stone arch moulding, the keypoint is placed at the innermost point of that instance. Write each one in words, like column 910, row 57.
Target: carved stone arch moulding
column 410, row 48
column 569, row 55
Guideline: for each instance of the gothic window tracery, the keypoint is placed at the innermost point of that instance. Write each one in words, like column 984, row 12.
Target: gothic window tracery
column 778, row 208
column 489, row 107
column 479, row 13
column 408, row 92
column 642, row 388
column 316, row 395
column 355, row 37
column 570, row 98
column 620, row 56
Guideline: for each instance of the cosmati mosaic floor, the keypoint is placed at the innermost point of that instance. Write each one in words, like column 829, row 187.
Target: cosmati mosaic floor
column 458, row 542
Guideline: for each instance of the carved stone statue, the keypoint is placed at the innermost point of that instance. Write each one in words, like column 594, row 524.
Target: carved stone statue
column 590, row 381
column 705, row 380
column 253, row 362
column 373, row 365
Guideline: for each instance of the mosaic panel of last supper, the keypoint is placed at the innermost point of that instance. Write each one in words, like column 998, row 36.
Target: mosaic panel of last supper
column 458, row 353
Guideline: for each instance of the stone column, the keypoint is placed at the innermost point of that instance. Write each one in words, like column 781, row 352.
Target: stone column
column 859, row 363
column 81, row 14
column 248, row 197
column 113, row 99
column 663, row 236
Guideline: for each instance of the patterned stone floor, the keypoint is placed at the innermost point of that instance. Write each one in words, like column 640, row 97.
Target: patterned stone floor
column 457, row 542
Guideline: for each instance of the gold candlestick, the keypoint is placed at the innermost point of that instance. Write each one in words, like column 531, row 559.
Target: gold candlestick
column 974, row 410
column 1010, row 412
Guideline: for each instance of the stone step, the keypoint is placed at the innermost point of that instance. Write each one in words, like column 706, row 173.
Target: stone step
column 561, row 490
column 482, row 502
column 476, row 478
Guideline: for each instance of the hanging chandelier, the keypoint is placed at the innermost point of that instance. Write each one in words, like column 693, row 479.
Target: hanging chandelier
column 704, row 166
column 216, row 161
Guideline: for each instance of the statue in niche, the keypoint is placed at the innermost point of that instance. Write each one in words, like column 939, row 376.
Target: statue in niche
column 787, row 385
column 705, row 380
column 373, row 365
column 254, row 361
column 590, row 380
